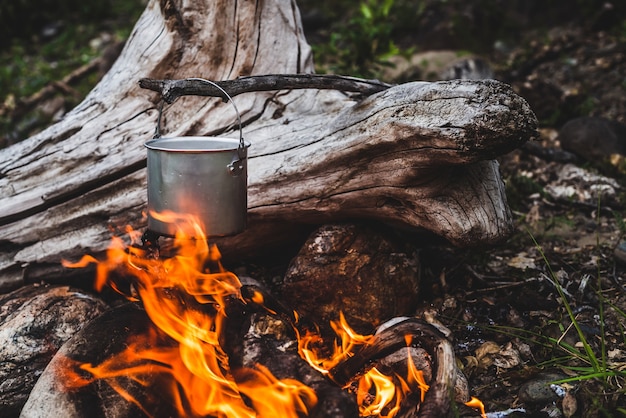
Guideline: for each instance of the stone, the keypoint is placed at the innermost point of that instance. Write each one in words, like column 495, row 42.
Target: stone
column 620, row 253
column 576, row 184
column 35, row 321
column 437, row 65
column 593, row 139
column 538, row 390
column 468, row 68
column 61, row 390
column 367, row 273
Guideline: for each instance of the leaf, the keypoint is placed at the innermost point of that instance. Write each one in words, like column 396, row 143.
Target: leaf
column 366, row 11
column 490, row 353
column 569, row 405
column 522, row 262
column 387, row 5
column 507, row 358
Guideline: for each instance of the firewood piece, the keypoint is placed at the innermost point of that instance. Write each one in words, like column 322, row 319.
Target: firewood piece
column 393, row 338
column 261, row 331
column 265, row 333
column 269, row 341
column 170, row 90
column 35, row 321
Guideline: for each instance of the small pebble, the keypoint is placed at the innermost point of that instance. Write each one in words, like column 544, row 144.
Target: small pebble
column 538, row 390
column 620, row 252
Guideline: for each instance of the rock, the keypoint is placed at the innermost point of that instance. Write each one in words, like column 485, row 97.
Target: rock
column 436, row 65
column 538, row 390
column 368, row 274
column 35, row 321
column 111, row 333
column 575, row 184
column 468, row 68
column 620, row 253
column 425, row 65
column 593, row 139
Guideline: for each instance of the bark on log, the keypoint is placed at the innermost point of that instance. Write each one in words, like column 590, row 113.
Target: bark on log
column 417, row 155
column 171, row 90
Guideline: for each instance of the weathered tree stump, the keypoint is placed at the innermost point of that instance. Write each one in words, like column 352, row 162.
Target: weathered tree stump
column 415, row 155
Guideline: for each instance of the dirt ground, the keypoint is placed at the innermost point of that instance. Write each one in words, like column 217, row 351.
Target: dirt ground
column 524, row 313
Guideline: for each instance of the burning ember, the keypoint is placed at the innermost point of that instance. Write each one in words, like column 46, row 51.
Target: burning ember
column 376, row 393
column 186, row 296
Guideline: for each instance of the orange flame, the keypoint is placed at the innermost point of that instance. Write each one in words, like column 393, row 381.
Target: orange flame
column 185, row 297
column 186, row 301
column 377, row 394
column 477, row 404
column 310, row 345
column 384, row 393
column 416, row 377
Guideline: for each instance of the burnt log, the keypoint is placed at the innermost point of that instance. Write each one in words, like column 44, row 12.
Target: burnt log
column 447, row 383
column 269, row 340
column 269, row 331
column 417, row 155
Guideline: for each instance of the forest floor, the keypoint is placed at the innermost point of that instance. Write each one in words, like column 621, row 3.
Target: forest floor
column 548, row 306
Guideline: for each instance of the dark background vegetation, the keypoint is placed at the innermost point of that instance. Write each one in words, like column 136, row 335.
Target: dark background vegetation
column 350, row 39
column 43, row 40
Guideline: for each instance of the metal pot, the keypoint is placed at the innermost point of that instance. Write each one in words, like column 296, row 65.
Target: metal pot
column 205, row 177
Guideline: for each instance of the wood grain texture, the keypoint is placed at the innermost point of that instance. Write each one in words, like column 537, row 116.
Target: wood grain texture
column 418, row 155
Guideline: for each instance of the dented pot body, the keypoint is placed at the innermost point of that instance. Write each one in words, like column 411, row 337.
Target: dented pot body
column 201, row 176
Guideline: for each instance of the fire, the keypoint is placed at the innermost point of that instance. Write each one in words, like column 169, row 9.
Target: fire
column 377, row 394
column 477, row 404
column 185, row 297
column 310, row 345
column 186, row 301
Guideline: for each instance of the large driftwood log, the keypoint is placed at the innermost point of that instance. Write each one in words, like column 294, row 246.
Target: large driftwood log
column 416, row 155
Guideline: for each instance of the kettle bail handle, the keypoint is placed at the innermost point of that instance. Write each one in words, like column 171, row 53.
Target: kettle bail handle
column 240, row 150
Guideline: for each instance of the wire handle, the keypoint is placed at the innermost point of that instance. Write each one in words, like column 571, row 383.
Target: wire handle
column 157, row 131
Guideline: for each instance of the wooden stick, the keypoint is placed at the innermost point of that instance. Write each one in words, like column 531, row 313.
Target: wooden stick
column 170, row 90
column 440, row 395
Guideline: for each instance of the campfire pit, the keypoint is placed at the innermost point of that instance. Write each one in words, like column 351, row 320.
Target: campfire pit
column 223, row 348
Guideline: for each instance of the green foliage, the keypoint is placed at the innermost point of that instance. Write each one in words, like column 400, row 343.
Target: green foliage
column 25, row 20
column 590, row 363
column 29, row 61
column 357, row 47
column 518, row 188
